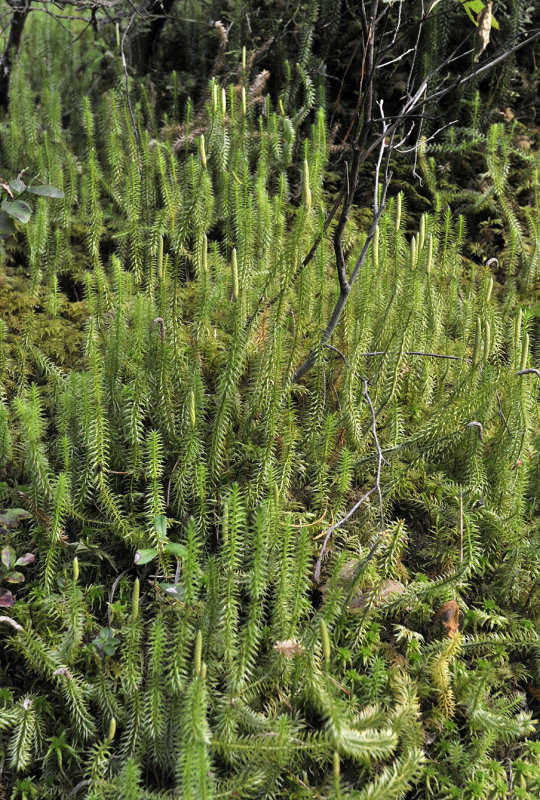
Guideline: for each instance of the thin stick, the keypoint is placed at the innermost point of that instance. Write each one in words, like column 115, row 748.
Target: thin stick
column 111, row 594
column 416, row 353
column 529, row 372
column 170, row 481
column 128, row 96
column 338, row 524
column 461, row 525
column 375, row 488
column 501, row 413
column 308, row 524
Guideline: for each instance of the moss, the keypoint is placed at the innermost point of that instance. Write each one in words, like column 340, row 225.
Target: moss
column 28, row 319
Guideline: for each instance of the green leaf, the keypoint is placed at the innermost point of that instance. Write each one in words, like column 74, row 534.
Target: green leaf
column 8, row 557
column 144, row 556
column 6, row 223
column 22, row 561
column 46, row 191
column 474, row 7
column 17, row 209
column 10, row 517
column 17, row 186
column 177, row 549
column 106, row 641
column 14, row 577
column 173, row 590
column 160, row 526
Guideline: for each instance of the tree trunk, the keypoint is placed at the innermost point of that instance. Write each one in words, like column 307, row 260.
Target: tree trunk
column 12, row 48
column 145, row 45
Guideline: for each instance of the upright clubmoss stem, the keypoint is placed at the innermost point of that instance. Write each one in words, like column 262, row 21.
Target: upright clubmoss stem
column 159, row 259
column 112, row 730
column 487, row 340
column 235, row 286
column 336, row 766
column 399, row 200
column 422, row 232
column 203, row 151
column 192, row 414
column 525, row 352
column 135, row 599
column 477, row 342
column 376, row 239
column 197, row 655
column 204, row 254
column 414, row 252
column 307, row 189
column 517, row 333
column 325, row 641
column 430, row 254
column 489, row 290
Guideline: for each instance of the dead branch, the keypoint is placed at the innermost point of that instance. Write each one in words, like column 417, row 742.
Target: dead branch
column 375, row 488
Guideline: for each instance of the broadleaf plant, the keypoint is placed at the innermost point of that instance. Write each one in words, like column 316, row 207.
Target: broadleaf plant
column 17, row 209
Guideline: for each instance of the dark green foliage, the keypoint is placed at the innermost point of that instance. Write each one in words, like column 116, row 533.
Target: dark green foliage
column 169, row 639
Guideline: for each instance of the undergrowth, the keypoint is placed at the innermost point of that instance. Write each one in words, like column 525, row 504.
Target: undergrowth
column 170, row 639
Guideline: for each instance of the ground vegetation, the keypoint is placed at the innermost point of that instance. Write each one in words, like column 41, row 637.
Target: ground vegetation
column 269, row 427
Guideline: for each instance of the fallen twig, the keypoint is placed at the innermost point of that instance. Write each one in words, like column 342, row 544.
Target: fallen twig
column 375, row 488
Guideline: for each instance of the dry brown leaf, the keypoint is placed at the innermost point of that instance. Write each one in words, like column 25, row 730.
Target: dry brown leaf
column 534, row 692
column 384, row 592
column 289, row 648
column 5, row 186
column 448, row 617
column 484, row 29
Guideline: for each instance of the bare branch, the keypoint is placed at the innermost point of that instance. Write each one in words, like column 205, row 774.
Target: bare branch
column 416, row 353
column 125, row 68
column 479, row 427
column 529, row 372
column 415, row 147
column 501, row 413
column 346, row 289
column 398, row 58
column 375, row 488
